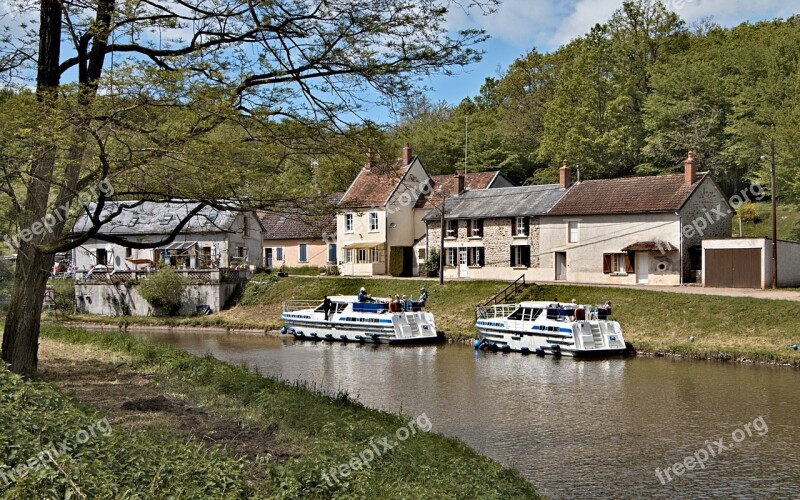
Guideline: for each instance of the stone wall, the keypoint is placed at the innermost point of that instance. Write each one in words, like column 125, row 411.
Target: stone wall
column 123, row 299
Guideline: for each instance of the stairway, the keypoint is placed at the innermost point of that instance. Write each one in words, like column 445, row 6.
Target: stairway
column 412, row 322
column 598, row 337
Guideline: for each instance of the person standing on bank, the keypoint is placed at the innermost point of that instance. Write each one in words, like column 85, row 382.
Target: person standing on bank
column 326, row 307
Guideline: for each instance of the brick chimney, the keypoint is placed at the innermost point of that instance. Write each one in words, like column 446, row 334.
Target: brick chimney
column 407, row 155
column 689, row 169
column 460, row 180
column 564, row 175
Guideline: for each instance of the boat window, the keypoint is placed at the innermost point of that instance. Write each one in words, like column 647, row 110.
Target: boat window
column 534, row 313
column 517, row 314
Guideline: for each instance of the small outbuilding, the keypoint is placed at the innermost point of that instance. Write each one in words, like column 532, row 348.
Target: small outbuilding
column 747, row 263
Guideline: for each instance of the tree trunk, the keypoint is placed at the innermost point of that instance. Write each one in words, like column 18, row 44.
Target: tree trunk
column 21, row 334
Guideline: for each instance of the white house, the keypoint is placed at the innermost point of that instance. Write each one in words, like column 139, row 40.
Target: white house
column 615, row 231
column 211, row 239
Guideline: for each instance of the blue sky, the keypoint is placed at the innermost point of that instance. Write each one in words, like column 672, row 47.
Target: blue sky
column 520, row 25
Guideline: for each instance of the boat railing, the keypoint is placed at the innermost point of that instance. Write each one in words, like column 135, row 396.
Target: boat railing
column 495, row 311
column 299, row 305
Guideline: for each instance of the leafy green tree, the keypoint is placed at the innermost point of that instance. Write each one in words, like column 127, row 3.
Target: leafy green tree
column 162, row 88
column 165, row 290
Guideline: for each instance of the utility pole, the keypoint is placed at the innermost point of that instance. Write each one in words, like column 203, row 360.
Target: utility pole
column 774, row 217
column 441, row 240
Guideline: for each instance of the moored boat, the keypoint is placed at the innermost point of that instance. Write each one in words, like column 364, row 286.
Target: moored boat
column 549, row 328
column 352, row 321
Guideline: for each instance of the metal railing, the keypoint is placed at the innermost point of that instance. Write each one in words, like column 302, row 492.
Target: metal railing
column 494, row 311
column 503, row 295
column 299, row 305
column 201, row 276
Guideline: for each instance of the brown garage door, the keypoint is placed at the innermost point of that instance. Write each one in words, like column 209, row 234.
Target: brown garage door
column 734, row 267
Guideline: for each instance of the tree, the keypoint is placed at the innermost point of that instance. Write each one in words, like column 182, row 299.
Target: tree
column 168, row 97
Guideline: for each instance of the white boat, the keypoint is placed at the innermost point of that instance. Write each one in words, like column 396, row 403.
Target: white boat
column 549, row 328
column 353, row 321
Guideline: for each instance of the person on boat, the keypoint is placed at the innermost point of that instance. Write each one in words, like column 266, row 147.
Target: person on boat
column 394, row 305
column 605, row 310
column 326, row 307
column 363, row 296
column 423, row 297
column 580, row 312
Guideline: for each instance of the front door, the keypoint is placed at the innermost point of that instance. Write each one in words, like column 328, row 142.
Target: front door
column 462, row 263
column 561, row 266
column 642, row 268
column 268, row 257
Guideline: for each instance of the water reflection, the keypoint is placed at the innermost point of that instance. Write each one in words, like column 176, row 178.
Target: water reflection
column 575, row 428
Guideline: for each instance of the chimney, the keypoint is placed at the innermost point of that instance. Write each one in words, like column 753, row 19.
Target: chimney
column 368, row 165
column 460, row 180
column 406, row 155
column 689, row 169
column 564, row 175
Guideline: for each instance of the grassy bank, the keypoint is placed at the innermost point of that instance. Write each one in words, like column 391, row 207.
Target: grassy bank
column 306, row 433
column 722, row 327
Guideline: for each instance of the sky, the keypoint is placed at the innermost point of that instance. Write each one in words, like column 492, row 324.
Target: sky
column 518, row 26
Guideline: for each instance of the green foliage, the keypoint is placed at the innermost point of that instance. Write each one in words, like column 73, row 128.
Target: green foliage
column 396, row 261
column 164, row 290
column 65, row 295
column 748, row 212
column 6, row 282
column 318, row 431
column 112, row 462
column 431, row 266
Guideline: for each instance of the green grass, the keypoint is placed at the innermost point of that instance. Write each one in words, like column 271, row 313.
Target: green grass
column 320, row 431
column 788, row 222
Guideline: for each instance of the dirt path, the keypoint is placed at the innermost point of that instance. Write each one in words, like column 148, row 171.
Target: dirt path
column 133, row 400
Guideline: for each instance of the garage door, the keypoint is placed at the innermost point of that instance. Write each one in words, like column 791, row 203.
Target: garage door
column 733, row 268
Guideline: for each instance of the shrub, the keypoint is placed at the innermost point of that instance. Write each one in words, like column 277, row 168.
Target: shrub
column 164, row 290
column 64, row 295
column 749, row 212
column 431, row 266
column 396, row 261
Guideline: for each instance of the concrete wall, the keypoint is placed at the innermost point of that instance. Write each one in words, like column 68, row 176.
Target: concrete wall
column 123, row 299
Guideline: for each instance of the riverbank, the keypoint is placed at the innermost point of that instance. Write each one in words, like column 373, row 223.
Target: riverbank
column 188, row 427
column 655, row 322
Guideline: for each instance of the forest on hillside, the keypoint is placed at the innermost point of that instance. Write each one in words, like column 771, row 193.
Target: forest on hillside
column 631, row 97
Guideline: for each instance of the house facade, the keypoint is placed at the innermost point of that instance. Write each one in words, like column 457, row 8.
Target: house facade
column 294, row 239
column 211, row 239
column 645, row 230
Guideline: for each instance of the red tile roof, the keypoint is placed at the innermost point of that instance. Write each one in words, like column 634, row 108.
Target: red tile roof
column 372, row 187
column 448, row 182
column 303, row 224
column 661, row 193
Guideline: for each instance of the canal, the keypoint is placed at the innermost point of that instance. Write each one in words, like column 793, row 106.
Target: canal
column 574, row 428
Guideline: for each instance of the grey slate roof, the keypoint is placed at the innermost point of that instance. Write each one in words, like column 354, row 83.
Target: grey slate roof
column 522, row 201
column 159, row 218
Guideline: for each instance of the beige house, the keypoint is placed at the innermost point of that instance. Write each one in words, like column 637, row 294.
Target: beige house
column 645, row 230
column 295, row 239
column 384, row 208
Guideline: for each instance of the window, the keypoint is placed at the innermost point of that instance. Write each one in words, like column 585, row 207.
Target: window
column 475, row 257
column 421, row 254
column 525, row 314
column 373, row 222
column 375, row 254
column 128, row 252
column 332, row 252
column 452, row 256
column 452, row 229
column 361, row 256
column 521, row 256
column 348, row 223
column 476, row 228
column 348, row 255
column 618, row 263
column 519, row 226
column 102, row 256
column 240, row 252
column 279, row 253
column 303, row 250
column 245, row 227
column 572, row 231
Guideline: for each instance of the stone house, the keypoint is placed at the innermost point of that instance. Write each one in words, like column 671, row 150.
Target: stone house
column 297, row 239
column 614, row 231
